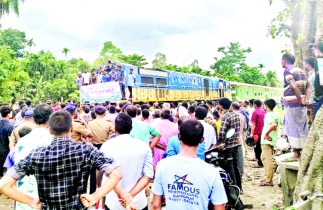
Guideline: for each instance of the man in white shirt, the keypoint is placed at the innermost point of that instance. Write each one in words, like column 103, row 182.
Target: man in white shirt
column 134, row 158
column 252, row 109
column 209, row 131
column 182, row 110
column 131, row 81
column 186, row 181
column 86, row 77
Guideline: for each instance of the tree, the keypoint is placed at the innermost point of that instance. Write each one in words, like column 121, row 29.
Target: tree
column 15, row 39
column 231, row 62
column 160, row 61
column 271, row 79
column 134, row 59
column 47, row 59
column 6, row 6
column 252, row 75
column 30, row 43
column 65, row 51
column 302, row 22
column 110, row 51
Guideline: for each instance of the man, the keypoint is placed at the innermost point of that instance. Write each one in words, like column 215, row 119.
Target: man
column 38, row 137
column 93, row 77
column 109, row 66
column 86, row 77
column 28, row 103
column 6, row 129
column 111, row 116
column 309, row 65
column 174, row 144
column 229, row 120
column 79, row 79
column 131, row 80
column 61, row 170
column 113, row 76
column 209, row 132
column 29, row 123
column 105, row 77
column 318, row 88
column 121, row 79
column 100, row 129
column 99, row 75
column 180, row 180
column 257, row 124
column 182, row 110
column 296, row 98
column 252, row 109
column 141, row 130
column 81, row 130
column 134, row 158
column 167, row 130
column 243, row 128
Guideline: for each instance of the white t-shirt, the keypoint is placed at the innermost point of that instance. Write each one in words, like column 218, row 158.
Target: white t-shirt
column 134, row 158
column 182, row 111
column 209, row 135
column 131, row 78
column 185, row 187
column 86, row 77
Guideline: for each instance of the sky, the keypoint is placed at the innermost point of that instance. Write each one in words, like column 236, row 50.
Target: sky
column 182, row 30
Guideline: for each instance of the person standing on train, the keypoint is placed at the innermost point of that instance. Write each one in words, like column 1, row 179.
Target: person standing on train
column 131, row 81
column 86, row 77
column 121, row 79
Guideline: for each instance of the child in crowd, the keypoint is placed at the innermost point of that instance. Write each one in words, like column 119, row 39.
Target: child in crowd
column 268, row 140
column 10, row 160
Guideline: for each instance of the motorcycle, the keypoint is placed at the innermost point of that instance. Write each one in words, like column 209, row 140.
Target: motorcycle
column 215, row 158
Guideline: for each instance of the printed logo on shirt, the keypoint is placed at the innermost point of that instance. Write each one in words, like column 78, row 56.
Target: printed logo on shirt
column 182, row 190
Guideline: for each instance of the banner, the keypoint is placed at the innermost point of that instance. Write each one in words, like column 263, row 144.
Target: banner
column 100, row 93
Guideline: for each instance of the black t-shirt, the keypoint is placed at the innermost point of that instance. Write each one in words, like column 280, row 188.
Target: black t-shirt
column 5, row 131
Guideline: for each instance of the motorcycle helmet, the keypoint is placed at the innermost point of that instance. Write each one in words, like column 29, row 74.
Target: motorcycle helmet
column 250, row 142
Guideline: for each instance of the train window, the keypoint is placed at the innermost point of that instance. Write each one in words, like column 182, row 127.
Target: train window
column 147, row 80
column 161, row 81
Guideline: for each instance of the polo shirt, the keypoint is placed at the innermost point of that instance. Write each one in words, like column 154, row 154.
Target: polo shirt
column 142, row 131
column 100, row 129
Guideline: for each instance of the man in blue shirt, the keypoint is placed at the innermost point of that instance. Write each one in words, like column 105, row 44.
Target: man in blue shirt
column 174, row 144
column 121, row 79
column 105, row 77
column 180, row 180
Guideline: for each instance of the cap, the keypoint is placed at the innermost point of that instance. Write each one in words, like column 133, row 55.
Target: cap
column 100, row 110
column 49, row 102
column 29, row 113
column 70, row 108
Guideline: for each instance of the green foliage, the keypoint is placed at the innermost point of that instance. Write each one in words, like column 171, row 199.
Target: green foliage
column 159, row 61
column 271, row 79
column 134, row 59
column 252, row 75
column 15, row 39
column 110, row 51
column 6, row 6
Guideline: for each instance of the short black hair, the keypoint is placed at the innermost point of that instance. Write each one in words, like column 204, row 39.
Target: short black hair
column 271, row 103
column 165, row 114
column 200, row 113
column 225, row 103
column 145, row 113
column 123, row 123
column 13, row 101
column 63, row 105
column 310, row 61
column 184, row 104
column 145, row 106
column 23, row 111
column 191, row 132
column 258, row 103
column 191, row 109
column 205, row 106
column 28, row 102
column 42, row 113
column 182, row 119
column 216, row 114
column 132, row 111
column 289, row 58
column 246, row 102
column 60, row 122
column 24, row 131
column 251, row 101
column 112, row 109
column 5, row 110
column 86, row 109
column 93, row 116
column 176, row 103
column 21, row 102
column 107, row 103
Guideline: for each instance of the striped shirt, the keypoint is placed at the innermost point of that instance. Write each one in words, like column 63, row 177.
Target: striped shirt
column 299, row 76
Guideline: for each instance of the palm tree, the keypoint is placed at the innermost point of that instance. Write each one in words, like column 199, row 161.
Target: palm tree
column 6, row 6
column 46, row 59
column 271, row 79
column 30, row 43
column 65, row 51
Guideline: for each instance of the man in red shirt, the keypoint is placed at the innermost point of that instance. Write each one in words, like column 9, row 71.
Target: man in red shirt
column 257, row 124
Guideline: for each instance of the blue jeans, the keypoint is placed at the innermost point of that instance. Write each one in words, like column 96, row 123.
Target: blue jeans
column 317, row 106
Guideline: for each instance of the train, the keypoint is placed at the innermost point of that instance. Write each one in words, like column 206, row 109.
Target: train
column 159, row 85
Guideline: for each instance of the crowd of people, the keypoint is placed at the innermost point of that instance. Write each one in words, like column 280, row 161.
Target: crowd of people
column 49, row 151
column 108, row 73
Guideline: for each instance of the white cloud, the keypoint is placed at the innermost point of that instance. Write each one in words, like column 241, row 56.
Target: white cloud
column 84, row 25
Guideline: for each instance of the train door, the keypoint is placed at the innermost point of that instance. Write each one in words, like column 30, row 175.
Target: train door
column 206, row 88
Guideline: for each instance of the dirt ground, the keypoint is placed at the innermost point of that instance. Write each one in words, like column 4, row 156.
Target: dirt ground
column 266, row 198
